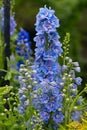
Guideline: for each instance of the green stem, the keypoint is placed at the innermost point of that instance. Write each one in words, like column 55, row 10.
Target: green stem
column 1, row 51
column 3, row 70
column 50, row 123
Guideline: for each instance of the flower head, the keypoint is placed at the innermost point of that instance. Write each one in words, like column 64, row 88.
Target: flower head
column 46, row 20
column 23, row 44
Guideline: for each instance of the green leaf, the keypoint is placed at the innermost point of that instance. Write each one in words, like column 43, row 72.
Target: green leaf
column 5, row 90
column 13, row 71
column 8, row 76
column 61, row 127
column 8, row 63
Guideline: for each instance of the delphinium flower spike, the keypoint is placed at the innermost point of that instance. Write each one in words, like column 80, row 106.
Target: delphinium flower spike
column 49, row 97
column 72, row 101
column 25, row 88
column 23, row 46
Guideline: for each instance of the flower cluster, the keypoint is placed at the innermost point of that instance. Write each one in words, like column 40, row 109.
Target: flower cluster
column 12, row 22
column 49, row 96
column 23, row 46
column 24, row 89
column 70, row 89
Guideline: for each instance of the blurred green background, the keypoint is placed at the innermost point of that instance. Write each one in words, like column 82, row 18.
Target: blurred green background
column 73, row 19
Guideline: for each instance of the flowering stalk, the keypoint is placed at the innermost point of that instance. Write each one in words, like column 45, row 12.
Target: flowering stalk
column 72, row 101
column 25, row 107
column 66, row 47
column 49, row 97
column 23, row 47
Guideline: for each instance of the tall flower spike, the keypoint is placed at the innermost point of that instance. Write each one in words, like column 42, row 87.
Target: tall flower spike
column 23, row 46
column 70, row 89
column 49, row 96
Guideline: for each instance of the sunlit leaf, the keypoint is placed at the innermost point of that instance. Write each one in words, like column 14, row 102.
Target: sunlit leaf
column 5, row 90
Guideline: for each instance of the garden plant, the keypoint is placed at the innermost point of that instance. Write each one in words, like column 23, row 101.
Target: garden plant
column 44, row 91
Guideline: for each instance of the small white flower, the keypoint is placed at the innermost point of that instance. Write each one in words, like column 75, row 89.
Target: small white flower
column 26, row 103
column 59, row 109
column 70, row 60
column 20, row 77
column 23, row 88
column 71, row 85
column 21, row 70
column 69, row 75
column 63, row 78
column 64, row 90
column 63, row 95
column 20, row 91
column 35, row 82
column 75, row 107
column 28, row 76
column 34, row 71
column 67, row 58
column 26, row 73
column 21, row 65
column 77, row 69
column 74, row 90
column 25, row 70
column 53, row 83
column 67, row 99
column 76, row 64
column 29, row 86
column 61, row 83
column 2, row 114
column 24, row 80
column 35, row 96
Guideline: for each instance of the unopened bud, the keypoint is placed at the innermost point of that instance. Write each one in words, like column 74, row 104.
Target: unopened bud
column 67, row 99
column 75, row 107
column 64, row 90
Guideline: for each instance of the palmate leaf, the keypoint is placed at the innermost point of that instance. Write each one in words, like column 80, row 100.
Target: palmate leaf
column 5, row 90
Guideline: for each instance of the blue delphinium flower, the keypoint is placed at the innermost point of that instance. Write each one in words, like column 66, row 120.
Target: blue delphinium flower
column 12, row 22
column 44, row 115
column 23, row 51
column 23, row 44
column 78, row 80
column 49, row 96
column 58, row 117
column 76, row 115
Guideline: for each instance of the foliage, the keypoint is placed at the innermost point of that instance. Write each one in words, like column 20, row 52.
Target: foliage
column 5, row 90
